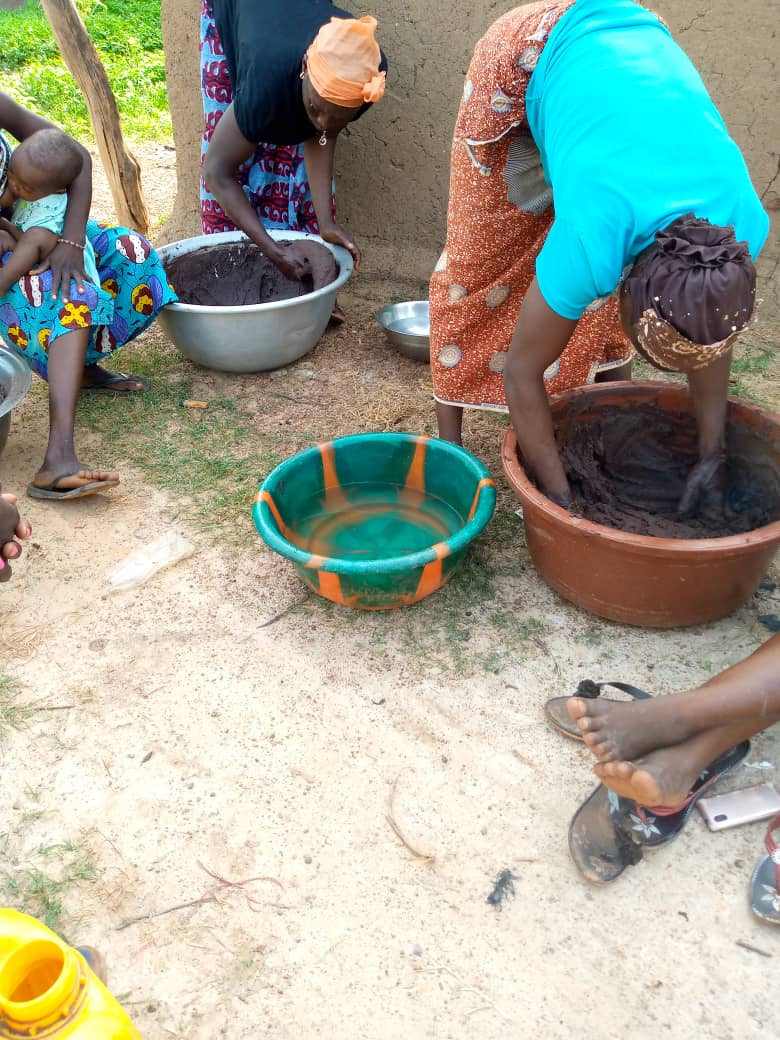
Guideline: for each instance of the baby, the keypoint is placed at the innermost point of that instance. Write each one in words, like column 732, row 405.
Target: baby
column 40, row 171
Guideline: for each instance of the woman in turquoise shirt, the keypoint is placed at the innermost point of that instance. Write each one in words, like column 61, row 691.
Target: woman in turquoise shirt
column 592, row 180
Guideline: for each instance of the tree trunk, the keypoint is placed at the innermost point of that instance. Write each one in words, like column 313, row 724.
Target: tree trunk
column 181, row 36
column 79, row 54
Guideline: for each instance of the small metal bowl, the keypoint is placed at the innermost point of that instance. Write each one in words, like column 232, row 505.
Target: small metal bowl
column 15, row 378
column 408, row 327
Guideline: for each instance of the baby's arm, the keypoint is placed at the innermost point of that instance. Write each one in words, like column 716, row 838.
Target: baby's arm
column 33, row 244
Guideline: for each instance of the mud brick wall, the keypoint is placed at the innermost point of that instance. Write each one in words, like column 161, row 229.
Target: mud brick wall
column 393, row 170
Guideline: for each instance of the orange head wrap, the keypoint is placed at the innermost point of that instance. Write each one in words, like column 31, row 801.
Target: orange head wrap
column 343, row 62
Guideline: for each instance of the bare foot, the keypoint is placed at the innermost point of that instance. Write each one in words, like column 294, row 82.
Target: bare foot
column 45, row 478
column 618, row 731
column 663, row 777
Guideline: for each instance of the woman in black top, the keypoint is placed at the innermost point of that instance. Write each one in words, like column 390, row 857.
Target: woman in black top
column 260, row 62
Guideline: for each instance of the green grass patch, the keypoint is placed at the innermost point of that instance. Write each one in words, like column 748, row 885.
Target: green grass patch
column 38, row 885
column 210, row 461
column 13, row 715
column 753, row 363
column 128, row 38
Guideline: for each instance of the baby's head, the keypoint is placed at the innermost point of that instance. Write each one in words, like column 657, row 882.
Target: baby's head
column 45, row 163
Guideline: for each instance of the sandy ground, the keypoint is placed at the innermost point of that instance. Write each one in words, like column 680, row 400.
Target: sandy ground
column 186, row 738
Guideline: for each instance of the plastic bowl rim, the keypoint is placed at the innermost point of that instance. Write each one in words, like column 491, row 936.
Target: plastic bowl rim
column 267, row 529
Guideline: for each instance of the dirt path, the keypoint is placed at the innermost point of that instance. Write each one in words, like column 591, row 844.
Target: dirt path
column 178, row 734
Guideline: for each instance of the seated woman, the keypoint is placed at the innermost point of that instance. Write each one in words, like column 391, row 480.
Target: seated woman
column 281, row 79
column 589, row 107
column 12, row 530
column 62, row 323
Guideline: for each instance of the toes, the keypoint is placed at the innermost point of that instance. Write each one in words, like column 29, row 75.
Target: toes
column 615, row 770
column 93, row 475
column 602, row 750
column 576, row 708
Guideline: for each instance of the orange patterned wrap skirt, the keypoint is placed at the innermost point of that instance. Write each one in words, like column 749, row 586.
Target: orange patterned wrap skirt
column 500, row 211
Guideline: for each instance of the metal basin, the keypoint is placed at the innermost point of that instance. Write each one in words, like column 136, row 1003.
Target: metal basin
column 15, row 378
column 254, row 338
column 408, row 326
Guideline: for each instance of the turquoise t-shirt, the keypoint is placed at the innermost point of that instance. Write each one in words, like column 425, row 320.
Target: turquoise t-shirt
column 630, row 140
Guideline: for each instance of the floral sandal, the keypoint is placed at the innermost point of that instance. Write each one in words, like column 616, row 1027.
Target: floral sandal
column 657, row 825
column 608, row 833
column 765, row 883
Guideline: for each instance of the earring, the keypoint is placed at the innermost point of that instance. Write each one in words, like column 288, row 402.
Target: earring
column 323, row 139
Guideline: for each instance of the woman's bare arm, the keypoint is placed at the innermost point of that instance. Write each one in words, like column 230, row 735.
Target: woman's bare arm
column 228, row 149
column 539, row 338
column 320, row 163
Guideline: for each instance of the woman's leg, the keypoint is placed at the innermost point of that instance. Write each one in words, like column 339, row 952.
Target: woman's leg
column 449, row 418
column 614, row 375
column 747, row 692
column 66, row 370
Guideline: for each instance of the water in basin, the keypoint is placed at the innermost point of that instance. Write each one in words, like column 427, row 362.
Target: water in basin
column 374, row 522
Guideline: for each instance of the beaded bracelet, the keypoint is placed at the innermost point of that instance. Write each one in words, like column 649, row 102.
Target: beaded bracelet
column 67, row 242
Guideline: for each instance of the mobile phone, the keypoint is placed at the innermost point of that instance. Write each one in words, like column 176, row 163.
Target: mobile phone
column 744, row 806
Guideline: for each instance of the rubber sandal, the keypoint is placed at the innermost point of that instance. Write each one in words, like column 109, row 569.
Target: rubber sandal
column 600, row 842
column 657, row 825
column 110, row 385
column 53, row 493
column 607, row 833
column 765, row 883
column 558, row 715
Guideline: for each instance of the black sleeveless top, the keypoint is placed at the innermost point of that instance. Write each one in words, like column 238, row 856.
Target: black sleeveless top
column 264, row 43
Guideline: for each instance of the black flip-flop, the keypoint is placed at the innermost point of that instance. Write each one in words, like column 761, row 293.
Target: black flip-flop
column 111, row 384
column 600, row 840
column 558, row 715
column 607, row 833
column 765, row 883
column 53, row 493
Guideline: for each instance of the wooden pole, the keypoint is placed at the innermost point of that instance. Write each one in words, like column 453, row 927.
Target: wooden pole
column 79, row 54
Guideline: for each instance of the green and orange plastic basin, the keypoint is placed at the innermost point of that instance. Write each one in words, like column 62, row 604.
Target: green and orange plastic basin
column 376, row 520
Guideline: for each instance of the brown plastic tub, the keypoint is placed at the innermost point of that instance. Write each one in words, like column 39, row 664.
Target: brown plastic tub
column 654, row 582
